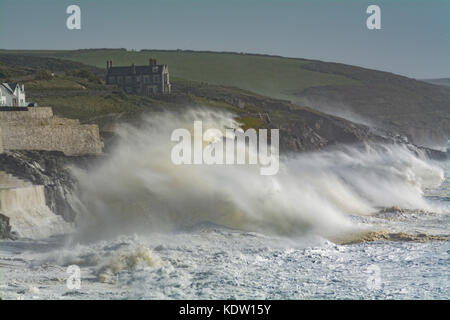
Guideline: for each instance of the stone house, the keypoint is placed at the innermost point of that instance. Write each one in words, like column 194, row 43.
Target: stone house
column 147, row 80
column 12, row 95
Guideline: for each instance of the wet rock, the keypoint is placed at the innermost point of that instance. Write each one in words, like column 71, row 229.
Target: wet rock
column 390, row 236
column 50, row 169
column 5, row 228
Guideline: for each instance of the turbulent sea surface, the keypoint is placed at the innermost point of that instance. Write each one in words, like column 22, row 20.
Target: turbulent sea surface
column 343, row 224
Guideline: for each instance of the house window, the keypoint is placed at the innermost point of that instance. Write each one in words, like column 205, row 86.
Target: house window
column 146, row 79
column 156, row 78
column 151, row 90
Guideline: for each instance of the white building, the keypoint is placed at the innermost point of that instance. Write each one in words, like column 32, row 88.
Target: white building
column 12, row 95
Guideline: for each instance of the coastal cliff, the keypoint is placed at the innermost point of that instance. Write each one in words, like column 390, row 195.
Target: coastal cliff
column 50, row 170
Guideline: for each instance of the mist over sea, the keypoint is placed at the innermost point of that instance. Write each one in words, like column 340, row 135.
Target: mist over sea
column 366, row 221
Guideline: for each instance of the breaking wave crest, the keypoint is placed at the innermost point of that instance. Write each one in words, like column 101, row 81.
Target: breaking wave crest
column 138, row 188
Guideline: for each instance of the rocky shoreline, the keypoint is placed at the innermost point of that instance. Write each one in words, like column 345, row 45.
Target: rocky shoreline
column 50, row 169
column 5, row 228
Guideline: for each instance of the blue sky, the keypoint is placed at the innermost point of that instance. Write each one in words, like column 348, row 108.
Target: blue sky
column 414, row 39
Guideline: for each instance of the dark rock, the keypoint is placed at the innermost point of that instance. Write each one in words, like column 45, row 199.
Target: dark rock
column 5, row 228
column 50, row 169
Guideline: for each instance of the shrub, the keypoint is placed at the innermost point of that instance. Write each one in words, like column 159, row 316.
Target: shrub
column 4, row 73
column 85, row 74
column 43, row 75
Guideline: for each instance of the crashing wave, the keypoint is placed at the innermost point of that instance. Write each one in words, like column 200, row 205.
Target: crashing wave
column 139, row 189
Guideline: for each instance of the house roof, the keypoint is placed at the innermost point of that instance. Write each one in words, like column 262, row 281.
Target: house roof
column 139, row 70
column 11, row 87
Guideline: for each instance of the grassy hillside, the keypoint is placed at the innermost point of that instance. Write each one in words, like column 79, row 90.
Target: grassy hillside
column 75, row 91
column 417, row 109
column 414, row 108
column 271, row 76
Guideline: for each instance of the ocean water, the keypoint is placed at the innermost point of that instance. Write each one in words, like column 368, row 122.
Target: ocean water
column 350, row 223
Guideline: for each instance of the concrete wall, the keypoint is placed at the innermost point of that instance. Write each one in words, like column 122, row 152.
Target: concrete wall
column 31, row 113
column 28, row 213
column 1, row 141
column 54, row 121
column 37, row 129
column 72, row 140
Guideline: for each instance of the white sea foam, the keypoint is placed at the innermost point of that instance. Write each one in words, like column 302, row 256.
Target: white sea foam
column 28, row 213
column 139, row 189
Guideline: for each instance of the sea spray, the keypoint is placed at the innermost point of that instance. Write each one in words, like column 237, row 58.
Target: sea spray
column 139, row 189
column 28, row 213
column 105, row 258
column 256, row 150
column 127, row 260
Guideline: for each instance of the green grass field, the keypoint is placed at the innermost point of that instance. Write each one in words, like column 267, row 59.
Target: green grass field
column 267, row 75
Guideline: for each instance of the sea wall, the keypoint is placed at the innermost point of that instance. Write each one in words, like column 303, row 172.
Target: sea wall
column 24, row 211
column 1, row 141
column 50, row 169
column 70, row 139
column 28, row 214
column 38, row 129
column 26, row 114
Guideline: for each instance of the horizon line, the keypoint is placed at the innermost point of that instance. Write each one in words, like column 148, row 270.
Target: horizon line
column 226, row 52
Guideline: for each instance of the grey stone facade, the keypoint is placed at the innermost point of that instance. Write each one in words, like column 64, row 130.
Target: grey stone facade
column 147, row 80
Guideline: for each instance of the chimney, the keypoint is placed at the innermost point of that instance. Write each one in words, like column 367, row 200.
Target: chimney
column 133, row 68
column 152, row 62
column 107, row 64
